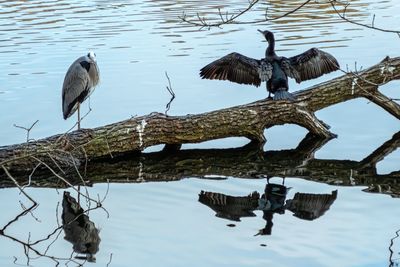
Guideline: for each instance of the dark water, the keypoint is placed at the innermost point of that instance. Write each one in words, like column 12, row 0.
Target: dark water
column 163, row 224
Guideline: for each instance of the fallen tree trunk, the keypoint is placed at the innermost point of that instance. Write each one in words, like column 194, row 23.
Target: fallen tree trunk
column 72, row 149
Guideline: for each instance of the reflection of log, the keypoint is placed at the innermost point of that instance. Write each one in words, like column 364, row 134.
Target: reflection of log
column 243, row 121
column 246, row 162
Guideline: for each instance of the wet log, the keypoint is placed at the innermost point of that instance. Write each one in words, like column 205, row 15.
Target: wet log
column 250, row 120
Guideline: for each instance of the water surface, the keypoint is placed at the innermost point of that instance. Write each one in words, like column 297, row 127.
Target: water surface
column 163, row 224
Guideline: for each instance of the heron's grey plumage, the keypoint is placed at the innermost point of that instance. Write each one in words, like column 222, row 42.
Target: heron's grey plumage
column 79, row 82
column 273, row 69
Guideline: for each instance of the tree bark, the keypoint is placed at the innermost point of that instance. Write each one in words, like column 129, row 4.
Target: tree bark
column 250, row 120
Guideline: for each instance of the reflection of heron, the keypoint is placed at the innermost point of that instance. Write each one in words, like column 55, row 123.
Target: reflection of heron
column 78, row 228
column 272, row 69
column 79, row 82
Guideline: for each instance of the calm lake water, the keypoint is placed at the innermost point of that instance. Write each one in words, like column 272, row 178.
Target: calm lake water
column 164, row 224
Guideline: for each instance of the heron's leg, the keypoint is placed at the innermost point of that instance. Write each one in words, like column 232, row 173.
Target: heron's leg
column 269, row 95
column 79, row 117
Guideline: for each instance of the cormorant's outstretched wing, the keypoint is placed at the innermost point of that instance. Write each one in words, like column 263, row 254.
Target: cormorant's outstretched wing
column 238, row 68
column 309, row 65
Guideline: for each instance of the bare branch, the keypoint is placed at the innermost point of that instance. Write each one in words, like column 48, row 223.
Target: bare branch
column 231, row 20
column 108, row 264
column 372, row 26
column 17, row 185
column 28, row 130
column 202, row 22
column 169, row 88
column 391, row 252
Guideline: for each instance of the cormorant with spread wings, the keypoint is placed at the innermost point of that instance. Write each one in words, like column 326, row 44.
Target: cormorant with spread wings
column 272, row 69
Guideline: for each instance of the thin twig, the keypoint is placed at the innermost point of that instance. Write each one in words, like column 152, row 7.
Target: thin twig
column 30, row 176
column 19, row 187
column 202, row 21
column 108, row 264
column 60, row 177
column 343, row 17
column 169, row 88
column 391, row 252
column 232, row 19
column 28, row 130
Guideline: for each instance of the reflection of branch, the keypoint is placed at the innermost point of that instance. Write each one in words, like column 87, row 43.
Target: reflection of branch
column 111, row 255
column 31, row 246
column 39, row 247
column 28, row 246
column 380, row 153
column 391, row 260
column 244, row 162
column 17, row 185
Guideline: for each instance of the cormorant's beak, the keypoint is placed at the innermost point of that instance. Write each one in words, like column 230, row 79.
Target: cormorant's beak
column 263, row 33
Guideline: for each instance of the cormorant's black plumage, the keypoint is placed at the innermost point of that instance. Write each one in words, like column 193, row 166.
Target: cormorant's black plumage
column 272, row 69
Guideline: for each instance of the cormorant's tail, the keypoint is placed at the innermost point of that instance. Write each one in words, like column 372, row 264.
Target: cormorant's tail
column 283, row 95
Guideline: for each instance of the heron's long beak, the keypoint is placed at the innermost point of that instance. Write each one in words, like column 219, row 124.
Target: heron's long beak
column 260, row 31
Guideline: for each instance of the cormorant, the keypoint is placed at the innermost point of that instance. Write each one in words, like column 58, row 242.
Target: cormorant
column 272, row 69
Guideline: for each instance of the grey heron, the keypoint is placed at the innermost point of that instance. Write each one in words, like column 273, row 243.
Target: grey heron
column 272, row 69
column 79, row 82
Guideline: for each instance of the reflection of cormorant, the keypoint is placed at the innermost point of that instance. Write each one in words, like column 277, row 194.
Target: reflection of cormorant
column 274, row 197
column 79, row 230
column 310, row 206
column 230, row 207
column 272, row 201
column 304, row 205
